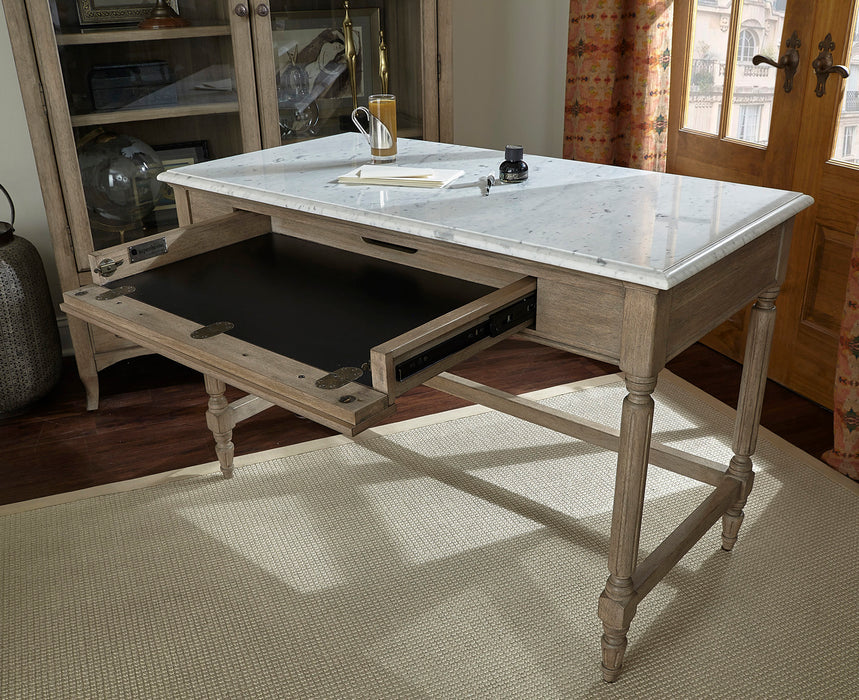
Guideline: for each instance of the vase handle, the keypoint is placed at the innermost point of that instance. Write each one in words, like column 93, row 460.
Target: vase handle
column 3, row 224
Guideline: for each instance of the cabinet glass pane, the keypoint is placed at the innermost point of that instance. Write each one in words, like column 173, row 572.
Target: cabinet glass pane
column 317, row 86
column 847, row 139
column 141, row 100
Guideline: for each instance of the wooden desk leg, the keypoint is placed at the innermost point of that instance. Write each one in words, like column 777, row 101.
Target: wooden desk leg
column 85, row 360
column 220, row 422
column 749, row 404
column 616, row 608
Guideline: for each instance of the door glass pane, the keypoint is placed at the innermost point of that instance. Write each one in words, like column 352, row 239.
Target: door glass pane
column 707, row 75
column 760, row 31
column 317, row 86
column 142, row 100
column 846, row 144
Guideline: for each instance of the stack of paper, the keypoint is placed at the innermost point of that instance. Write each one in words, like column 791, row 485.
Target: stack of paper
column 396, row 175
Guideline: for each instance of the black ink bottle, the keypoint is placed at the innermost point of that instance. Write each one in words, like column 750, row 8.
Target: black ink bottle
column 513, row 169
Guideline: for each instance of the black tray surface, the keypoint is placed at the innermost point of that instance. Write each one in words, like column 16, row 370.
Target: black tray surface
column 318, row 305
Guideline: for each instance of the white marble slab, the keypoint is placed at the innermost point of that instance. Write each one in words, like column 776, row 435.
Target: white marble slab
column 632, row 225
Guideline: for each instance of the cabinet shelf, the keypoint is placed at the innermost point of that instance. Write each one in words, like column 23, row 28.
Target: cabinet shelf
column 146, row 114
column 117, row 36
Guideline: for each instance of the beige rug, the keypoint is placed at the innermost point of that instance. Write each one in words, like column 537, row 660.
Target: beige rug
column 459, row 556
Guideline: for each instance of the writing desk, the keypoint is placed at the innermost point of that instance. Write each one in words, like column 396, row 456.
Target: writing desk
column 619, row 265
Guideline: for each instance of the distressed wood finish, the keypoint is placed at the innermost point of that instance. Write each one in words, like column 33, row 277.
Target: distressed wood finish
column 219, row 421
column 135, row 394
column 642, row 357
column 280, row 380
column 222, row 417
column 445, row 70
column 183, row 242
column 561, row 314
column 385, row 245
column 749, row 410
column 36, row 48
column 637, row 326
column 704, row 470
column 50, row 76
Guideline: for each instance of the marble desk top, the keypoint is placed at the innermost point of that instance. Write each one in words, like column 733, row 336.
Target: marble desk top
column 637, row 226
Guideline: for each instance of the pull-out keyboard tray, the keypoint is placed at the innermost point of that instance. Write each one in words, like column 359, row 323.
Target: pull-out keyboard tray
column 330, row 334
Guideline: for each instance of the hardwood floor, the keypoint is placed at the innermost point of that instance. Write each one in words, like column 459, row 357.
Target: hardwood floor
column 151, row 416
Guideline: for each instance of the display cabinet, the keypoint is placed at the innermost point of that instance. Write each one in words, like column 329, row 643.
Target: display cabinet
column 116, row 91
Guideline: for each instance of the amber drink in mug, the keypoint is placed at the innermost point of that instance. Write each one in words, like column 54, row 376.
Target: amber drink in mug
column 381, row 112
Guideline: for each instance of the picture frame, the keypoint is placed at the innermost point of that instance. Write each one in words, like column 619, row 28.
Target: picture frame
column 116, row 11
column 313, row 42
column 177, row 155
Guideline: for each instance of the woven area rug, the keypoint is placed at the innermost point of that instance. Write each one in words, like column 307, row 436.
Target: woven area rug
column 459, row 556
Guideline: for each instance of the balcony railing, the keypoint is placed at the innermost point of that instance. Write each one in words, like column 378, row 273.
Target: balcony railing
column 707, row 72
column 750, row 71
column 851, row 101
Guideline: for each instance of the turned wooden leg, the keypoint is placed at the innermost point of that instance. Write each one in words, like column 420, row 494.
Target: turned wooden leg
column 85, row 360
column 752, row 386
column 616, row 608
column 219, row 420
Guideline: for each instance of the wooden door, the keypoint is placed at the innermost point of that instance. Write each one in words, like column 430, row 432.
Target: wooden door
column 733, row 118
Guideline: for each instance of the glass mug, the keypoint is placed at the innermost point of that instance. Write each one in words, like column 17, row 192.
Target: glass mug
column 382, row 136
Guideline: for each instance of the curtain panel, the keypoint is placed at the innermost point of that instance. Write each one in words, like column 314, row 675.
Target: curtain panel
column 618, row 74
column 844, row 456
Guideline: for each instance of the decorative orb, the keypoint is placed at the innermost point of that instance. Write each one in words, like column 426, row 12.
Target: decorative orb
column 119, row 177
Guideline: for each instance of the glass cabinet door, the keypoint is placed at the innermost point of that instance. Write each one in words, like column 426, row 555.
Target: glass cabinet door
column 307, row 84
column 131, row 97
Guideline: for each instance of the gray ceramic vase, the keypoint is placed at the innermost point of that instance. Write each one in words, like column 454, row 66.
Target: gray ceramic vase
column 30, row 353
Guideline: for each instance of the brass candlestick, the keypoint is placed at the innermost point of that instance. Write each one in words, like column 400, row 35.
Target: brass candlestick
column 351, row 55
column 383, row 62
column 163, row 17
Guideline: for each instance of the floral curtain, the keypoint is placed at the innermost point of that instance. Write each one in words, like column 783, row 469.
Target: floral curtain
column 844, row 456
column 618, row 70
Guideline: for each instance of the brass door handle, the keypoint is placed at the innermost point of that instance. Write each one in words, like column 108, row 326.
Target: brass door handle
column 241, row 10
column 824, row 66
column 789, row 61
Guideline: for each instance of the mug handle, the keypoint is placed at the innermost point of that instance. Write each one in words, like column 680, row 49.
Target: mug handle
column 357, row 123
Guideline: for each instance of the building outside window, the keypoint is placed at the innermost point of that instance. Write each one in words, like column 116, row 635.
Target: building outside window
column 746, row 47
column 748, row 123
column 847, row 137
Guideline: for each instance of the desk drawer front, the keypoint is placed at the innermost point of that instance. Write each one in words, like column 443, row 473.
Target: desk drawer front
column 410, row 251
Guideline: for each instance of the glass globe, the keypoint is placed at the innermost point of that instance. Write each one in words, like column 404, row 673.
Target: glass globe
column 119, row 177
